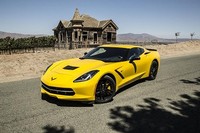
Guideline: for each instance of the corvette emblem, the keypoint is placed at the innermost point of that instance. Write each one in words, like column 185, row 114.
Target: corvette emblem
column 52, row 78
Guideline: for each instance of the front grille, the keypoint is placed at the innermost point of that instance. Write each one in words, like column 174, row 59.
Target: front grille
column 57, row 90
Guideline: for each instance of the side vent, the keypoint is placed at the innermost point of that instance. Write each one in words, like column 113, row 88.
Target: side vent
column 70, row 68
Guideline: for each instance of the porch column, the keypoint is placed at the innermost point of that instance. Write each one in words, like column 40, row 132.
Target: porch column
column 66, row 43
column 59, row 37
column 73, row 36
column 72, row 42
column 81, row 39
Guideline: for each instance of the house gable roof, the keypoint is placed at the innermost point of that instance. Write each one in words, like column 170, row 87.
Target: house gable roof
column 105, row 23
column 65, row 23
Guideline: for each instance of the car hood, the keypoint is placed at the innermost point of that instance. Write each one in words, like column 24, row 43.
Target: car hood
column 77, row 66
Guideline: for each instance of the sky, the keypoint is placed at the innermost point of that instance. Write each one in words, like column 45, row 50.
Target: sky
column 161, row 18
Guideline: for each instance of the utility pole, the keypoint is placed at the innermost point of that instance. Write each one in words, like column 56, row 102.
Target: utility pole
column 177, row 34
column 192, row 34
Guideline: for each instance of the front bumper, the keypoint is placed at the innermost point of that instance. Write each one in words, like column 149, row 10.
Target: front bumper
column 78, row 92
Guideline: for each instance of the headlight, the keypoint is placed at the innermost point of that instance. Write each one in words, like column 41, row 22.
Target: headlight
column 86, row 76
column 47, row 68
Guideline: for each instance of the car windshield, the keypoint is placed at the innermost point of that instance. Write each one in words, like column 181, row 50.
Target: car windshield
column 108, row 54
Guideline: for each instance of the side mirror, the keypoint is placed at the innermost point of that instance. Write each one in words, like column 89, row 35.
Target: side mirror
column 133, row 57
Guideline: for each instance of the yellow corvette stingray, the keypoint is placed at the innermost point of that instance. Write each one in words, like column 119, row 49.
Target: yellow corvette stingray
column 100, row 73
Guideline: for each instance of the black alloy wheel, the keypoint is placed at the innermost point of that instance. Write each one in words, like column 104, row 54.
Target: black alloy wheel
column 153, row 70
column 105, row 90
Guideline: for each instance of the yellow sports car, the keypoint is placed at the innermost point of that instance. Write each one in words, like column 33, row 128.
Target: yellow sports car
column 100, row 73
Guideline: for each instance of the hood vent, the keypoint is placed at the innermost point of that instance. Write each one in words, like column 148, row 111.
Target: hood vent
column 70, row 67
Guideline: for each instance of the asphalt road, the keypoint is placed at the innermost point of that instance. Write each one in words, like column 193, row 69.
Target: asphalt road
column 171, row 103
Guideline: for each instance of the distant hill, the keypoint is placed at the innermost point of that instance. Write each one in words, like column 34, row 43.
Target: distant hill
column 18, row 35
column 130, row 37
column 144, row 37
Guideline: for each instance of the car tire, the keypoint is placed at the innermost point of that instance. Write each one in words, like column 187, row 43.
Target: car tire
column 105, row 90
column 43, row 96
column 153, row 70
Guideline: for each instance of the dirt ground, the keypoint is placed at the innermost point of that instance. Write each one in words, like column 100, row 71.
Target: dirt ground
column 31, row 65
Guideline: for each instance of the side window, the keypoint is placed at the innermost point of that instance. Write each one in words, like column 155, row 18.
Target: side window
column 133, row 52
column 141, row 51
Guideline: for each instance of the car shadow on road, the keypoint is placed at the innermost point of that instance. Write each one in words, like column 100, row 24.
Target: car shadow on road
column 65, row 103
column 57, row 129
column 130, row 85
column 152, row 117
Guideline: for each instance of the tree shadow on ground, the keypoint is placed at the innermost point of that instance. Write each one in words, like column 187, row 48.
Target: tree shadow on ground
column 196, row 82
column 153, row 118
column 55, row 129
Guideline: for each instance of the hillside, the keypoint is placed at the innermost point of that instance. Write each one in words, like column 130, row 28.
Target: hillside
column 130, row 37
column 17, row 35
column 144, row 37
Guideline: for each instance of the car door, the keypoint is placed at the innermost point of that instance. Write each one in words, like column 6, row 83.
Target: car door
column 139, row 60
column 126, row 72
column 140, row 64
column 131, row 71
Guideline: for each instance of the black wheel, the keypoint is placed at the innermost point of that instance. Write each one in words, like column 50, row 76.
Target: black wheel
column 105, row 90
column 153, row 70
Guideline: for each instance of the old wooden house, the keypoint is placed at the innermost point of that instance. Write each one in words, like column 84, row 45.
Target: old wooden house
column 84, row 31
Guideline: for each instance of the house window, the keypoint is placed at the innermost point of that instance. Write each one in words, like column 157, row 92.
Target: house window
column 95, row 37
column 85, row 36
column 76, row 34
column 61, row 37
column 109, row 36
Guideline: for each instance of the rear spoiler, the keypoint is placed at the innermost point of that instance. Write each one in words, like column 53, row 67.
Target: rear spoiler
column 151, row 49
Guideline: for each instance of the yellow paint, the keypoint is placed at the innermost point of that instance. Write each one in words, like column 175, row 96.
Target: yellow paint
column 56, row 76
